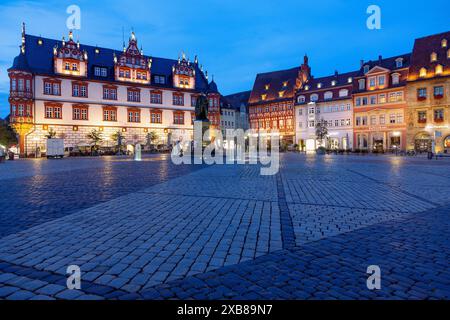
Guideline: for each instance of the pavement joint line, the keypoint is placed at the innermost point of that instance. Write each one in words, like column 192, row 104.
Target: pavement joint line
column 205, row 196
column 287, row 227
column 396, row 188
column 349, row 207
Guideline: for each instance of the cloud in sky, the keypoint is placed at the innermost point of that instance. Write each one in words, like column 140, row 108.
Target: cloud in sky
column 234, row 39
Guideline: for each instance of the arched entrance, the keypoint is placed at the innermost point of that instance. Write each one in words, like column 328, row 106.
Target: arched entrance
column 447, row 144
column 422, row 142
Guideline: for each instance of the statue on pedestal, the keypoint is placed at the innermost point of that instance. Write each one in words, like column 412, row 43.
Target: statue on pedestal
column 201, row 108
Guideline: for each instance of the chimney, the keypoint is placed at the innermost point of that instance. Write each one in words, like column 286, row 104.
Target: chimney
column 361, row 63
column 336, row 73
column 380, row 58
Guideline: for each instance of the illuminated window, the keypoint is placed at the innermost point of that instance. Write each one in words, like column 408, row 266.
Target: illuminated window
column 433, row 57
column 444, row 43
column 439, row 69
column 319, row 85
column 306, row 87
column 263, row 96
column 333, row 83
column 423, row 72
column 281, row 94
column 301, row 99
column 314, row 97
column 349, row 80
column 267, row 87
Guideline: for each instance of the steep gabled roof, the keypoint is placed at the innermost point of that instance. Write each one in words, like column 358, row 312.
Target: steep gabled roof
column 275, row 81
column 39, row 58
column 424, row 47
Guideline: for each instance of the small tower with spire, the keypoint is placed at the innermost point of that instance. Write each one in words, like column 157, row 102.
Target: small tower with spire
column 132, row 65
column 183, row 73
column 69, row 59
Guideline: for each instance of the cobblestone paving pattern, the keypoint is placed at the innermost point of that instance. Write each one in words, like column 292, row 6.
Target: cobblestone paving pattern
column 152, row 230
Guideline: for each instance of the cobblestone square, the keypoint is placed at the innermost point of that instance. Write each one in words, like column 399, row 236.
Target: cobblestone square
column 154, row 230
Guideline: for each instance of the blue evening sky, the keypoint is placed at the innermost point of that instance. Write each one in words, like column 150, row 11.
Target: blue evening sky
column 234, row 40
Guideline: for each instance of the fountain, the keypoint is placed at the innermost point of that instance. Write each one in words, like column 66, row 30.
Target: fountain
column 137, row 152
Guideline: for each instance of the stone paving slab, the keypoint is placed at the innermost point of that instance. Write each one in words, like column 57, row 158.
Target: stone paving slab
column 363, row 195
column 413, row 263
column 142, row 239
column 316, row 222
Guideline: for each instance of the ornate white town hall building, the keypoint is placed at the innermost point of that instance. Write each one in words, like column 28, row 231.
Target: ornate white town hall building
column 72, row 89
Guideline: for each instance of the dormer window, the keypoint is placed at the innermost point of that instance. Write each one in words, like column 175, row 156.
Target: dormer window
column 343, row 93
column 362, row 84
column 399, row 62
column 263, row 97
column 333, row 83
column 444, row 43
column 328, row 95
column 285, row 83
column 395, row 78
column 349, row 80
column 366, row 69
column 306, row 88
column 423, row 72
column 433, row 57
column 267, row 87
column 281, row 94
column 301, row 99
column 439, row 69
column 319, row 85
column 314, row 97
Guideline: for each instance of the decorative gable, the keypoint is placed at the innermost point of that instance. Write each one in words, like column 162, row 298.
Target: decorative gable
column 183, row 74
column 69, row 59
column 132, row 66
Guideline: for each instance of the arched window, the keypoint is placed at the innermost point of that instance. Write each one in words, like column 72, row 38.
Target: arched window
column 328, row 95
column 423, row 72
column 314, row 97
column 343, row 93
column 301, row 99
